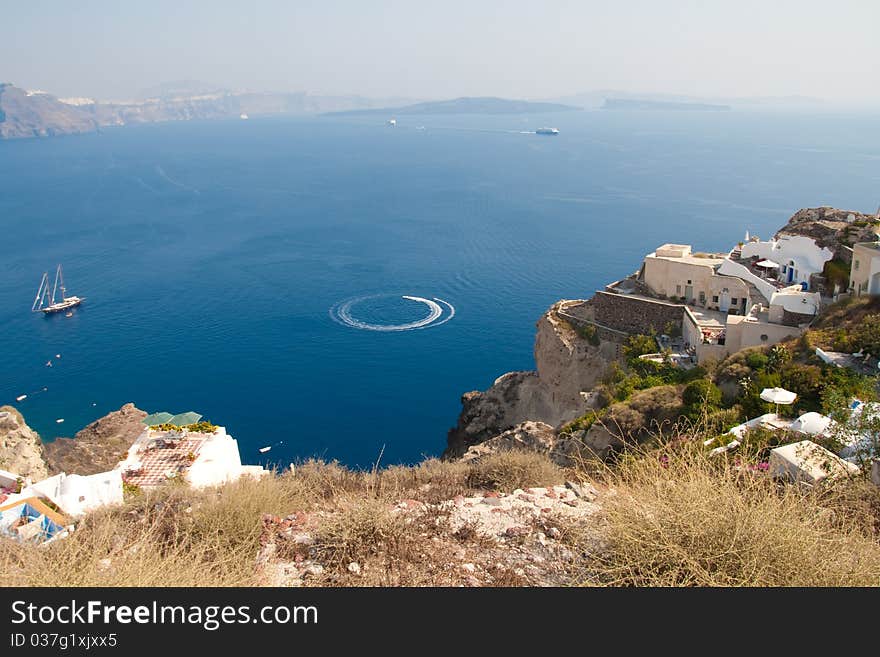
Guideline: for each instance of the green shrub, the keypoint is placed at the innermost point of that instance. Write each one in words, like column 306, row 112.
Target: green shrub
column 757, row 360
column 638, row 345
column 701, row 392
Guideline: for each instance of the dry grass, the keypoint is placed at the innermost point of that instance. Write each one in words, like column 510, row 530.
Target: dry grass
column 509, row 470
column 180, row 537
column 692, row 522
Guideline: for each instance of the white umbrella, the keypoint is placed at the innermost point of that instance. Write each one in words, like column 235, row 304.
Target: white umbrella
column 767, row 264
column 778, row 396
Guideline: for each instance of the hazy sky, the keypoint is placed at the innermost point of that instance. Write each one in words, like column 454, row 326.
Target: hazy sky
column 527, row 49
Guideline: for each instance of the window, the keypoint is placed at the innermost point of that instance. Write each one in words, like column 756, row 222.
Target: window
column 689, row 282
column 714, row 298
column 856, row 265
column 734, row 301
column 678, row 290
column 764, row 337
column 702, row 297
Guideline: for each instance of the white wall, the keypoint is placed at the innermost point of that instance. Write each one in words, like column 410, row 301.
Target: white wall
column 731, row 268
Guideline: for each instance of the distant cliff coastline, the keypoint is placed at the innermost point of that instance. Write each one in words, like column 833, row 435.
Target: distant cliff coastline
column 479, row 105
column 26, row 113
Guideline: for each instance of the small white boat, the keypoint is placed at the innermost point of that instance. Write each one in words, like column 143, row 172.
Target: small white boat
column 243, row 116
column 391, row 123
column 21, row 398
column 59, row 420
column 263, row 450
column 546, row 131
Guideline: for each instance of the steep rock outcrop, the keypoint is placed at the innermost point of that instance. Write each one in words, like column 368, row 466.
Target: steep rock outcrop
column 530, row 437
column 99, row 446
column 568, row 367
column 21, row 450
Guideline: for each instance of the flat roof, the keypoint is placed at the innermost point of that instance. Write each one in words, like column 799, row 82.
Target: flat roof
column 702, row 261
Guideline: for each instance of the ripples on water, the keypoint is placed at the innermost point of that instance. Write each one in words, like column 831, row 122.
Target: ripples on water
column 211, row 252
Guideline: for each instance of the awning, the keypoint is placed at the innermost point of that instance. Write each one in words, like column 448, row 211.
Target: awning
column 157, row 418
column 767, row 264
column 183, row 419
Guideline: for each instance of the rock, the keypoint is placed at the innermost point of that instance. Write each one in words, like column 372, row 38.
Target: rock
column 567, row 365
column 583, row 491
column 469, row 568
column 354, row 568
column 554, row 533
column 313, row 570
column 99, row 446
column 104, row 564
column 21, row 450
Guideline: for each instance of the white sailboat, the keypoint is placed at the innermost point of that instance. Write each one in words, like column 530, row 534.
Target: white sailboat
column 46, row 303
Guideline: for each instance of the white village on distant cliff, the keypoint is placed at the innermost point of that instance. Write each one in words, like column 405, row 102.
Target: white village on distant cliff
column 701, row 307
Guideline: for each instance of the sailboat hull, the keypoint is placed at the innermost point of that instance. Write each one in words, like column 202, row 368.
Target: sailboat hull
column 69, row 302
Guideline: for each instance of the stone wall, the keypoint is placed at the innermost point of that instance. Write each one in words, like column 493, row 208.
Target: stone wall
column 634, row 315
column 796, row 319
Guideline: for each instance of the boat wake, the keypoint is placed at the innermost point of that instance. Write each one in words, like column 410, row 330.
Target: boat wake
column 437, row 314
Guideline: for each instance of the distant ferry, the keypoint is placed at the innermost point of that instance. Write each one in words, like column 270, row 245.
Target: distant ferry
column 392, row 122
column 44, row 302
column 546, row 131
column 243, row 116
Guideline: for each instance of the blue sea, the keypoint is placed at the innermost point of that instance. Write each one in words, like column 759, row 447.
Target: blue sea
column 215, row 256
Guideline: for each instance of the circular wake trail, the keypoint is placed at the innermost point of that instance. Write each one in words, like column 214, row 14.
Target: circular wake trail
column 437, row 314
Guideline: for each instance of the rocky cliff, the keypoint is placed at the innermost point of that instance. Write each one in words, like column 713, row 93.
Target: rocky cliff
column 21, row 451
column 99, row 446
column 568, row 366
column 833, row 228
column 29, row 114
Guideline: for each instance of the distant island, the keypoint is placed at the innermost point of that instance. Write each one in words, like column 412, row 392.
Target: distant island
column 660, row 105
column 467, row 105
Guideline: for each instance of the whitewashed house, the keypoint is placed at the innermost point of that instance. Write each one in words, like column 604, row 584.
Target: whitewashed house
column 798, row 257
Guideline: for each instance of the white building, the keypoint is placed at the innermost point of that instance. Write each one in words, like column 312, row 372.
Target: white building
column 201, row 459
column 798, row 257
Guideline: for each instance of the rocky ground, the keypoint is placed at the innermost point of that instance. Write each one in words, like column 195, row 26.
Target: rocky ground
column 525, row 538
column 99, row 446
column 21, row 451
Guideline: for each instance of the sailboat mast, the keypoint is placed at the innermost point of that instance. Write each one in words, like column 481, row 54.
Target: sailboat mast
column 55, row 286
column 40, row 292
column 63, row 289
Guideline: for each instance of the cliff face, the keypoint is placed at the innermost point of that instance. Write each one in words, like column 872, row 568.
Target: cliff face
column 99, row 446
column 24, row 114
column 21, row 451
column 568, row 367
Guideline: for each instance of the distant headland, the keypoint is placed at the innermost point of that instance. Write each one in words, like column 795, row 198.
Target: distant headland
column 467, row 105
